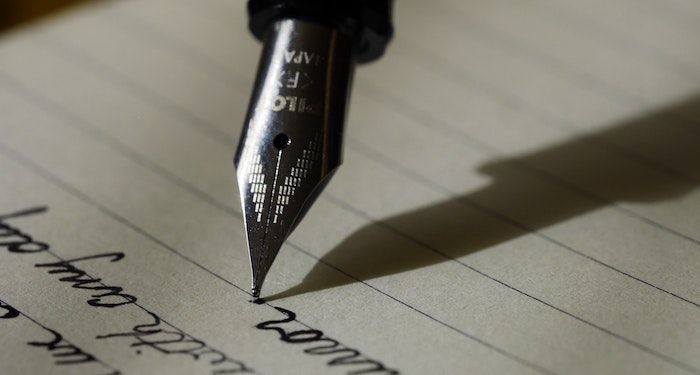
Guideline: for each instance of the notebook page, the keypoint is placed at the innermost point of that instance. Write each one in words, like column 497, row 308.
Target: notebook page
column 519, row 195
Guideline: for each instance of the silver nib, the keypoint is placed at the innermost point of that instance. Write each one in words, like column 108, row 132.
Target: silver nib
column 291, row 141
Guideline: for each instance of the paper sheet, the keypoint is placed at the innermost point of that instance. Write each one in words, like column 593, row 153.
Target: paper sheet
column 519, row 196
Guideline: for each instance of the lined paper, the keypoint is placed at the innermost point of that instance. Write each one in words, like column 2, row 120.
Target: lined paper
column 519, row 195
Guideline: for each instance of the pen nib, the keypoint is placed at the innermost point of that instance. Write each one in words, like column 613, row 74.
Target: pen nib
column 291, row 141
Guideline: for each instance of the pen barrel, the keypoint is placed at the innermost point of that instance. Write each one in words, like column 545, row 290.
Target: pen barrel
column 367, row 22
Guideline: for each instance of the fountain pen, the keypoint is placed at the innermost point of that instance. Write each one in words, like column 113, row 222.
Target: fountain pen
column 291, row 142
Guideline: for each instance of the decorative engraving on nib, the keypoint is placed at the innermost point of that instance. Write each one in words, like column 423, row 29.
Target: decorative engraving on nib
column 258, row 187
column 288, row 188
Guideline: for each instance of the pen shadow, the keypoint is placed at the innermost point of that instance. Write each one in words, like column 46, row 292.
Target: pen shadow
column 453, row 229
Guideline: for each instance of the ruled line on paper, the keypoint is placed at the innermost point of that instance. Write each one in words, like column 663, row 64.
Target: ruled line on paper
column 402, row 106
column 428, row 182
column 487, row 344
column 504, row 40
column 497, row 38
column 533, row 170
column 452, row 72
column 597, row 142
column 568, row 71
column 674, row 11
column 515, row 289
column 617, row 39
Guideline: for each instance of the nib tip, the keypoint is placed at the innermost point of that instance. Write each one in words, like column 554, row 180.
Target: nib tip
column 256, row 291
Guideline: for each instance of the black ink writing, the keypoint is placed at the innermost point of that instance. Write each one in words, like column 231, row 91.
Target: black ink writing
column 169, row 341
column 14, row 240
column 65, row 353
column 9, row 311
column 164, row 340
column 340, row 355
column 106, row 296
column 17, row 241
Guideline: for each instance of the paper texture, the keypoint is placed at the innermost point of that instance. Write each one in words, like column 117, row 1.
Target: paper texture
column 519, row 196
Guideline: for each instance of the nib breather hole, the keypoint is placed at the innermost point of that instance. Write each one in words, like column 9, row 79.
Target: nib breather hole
column 281, row 141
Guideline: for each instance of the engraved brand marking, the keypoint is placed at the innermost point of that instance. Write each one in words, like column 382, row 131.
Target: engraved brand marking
column 297, row 173
column 302, row 57
column 294, row 80
column 292, row 104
